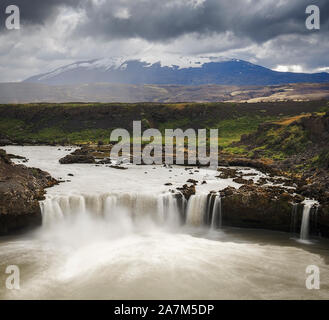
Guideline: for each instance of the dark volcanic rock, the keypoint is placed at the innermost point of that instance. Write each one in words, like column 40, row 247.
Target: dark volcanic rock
column 226, row 173
column 118, row 167
column 257, row 207
column 105, row 161
column 323, row 220
column 5, row 142
column 243, row 181
column 69, row 159
column 262, row 165
column 82, row 155
column 20, row 190
column 187, row 191
column 192, row 181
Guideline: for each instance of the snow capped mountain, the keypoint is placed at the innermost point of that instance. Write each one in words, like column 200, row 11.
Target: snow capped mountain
column 105, row 64
column 115, row 63
column 172, row 70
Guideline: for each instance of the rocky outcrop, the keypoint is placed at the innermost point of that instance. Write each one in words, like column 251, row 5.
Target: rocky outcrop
column 317, row 186
column 78, row 156
column 69, row 159
column 187, row 191
column 118, row 167
column 21, row 188
column 258, row 207
column 263, row 165
column 5, row 142
column 322, row 220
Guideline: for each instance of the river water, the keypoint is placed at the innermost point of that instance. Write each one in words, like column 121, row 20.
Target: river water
column 118, row 234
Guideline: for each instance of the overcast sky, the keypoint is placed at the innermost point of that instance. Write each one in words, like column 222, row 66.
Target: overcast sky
column 53, row 33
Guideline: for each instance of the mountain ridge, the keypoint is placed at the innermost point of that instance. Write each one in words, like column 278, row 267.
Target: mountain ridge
column 188, row 71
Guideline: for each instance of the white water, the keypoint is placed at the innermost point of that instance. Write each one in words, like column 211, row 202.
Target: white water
column 113, row 234
column 305, row 226
column 196, row 208
column 114, row 209
column 217, row 213
column 304, row 231
column 90, row 179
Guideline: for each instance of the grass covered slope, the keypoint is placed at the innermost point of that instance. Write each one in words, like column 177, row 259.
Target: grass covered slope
column 84, row 123
column 300, row 141
column 298, row 147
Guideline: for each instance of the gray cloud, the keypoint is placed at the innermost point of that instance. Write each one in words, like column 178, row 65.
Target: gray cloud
column 157, row 20
column 164, row 20
column 58, row 32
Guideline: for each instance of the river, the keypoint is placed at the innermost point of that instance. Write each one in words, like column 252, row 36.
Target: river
column 118, row 234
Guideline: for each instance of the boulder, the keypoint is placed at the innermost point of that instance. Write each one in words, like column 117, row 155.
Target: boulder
column 192, row 181
column 243, row 181
column 5, row 142
column 69, row 159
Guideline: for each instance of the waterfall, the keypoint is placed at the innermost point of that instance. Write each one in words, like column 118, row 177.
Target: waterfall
column 216, row 221
column 196, row 209
column 204, row 209
column 208, row 215
column 165, row 209
column 160, row 209
column 304, row 230
column 169, row 210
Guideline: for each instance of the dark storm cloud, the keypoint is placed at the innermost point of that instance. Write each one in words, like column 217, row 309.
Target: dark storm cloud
column 162, row 20
column 158, row 20
column 35, row 12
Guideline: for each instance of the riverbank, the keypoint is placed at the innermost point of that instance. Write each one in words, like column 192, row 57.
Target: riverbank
column 21, row 189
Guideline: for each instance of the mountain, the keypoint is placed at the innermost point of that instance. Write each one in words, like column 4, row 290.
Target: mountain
column 187, row 71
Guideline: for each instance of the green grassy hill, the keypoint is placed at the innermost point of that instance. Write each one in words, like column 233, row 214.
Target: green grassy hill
column 83, row 123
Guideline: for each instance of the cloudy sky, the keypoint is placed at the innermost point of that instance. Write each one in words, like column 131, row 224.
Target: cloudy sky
column 54, row 33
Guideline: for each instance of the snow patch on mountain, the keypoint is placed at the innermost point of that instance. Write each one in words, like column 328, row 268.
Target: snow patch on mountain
column 114, row 63
column 183, row 61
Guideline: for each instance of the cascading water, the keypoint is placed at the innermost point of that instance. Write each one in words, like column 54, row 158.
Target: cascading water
column 305, row 227
column 168, row 209
column 204, row 209
column 216, row 221
column 196, row 209
column 160, row 209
